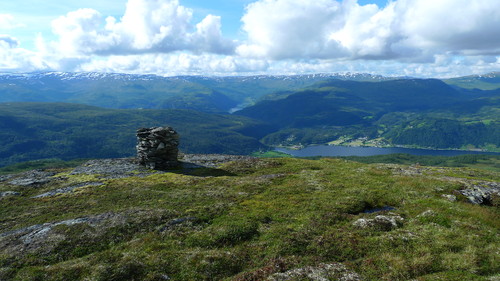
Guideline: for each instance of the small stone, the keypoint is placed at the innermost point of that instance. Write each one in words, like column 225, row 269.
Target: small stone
column 428, row 213
column 178, row 221
column 449, row 197
column 363, row 223
column 9, row 193
column 322, row 272
column 380, row 222
column 389, row 222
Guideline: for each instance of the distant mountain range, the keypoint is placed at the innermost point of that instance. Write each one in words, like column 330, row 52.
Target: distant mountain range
column 44, row 115
column 490, row 81
column 111, row 90
column 202, row 93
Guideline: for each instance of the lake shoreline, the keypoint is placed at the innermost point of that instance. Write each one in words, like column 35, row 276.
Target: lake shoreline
column 300, row 146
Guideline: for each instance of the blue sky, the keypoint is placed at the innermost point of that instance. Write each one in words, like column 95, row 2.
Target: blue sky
column 246, row 37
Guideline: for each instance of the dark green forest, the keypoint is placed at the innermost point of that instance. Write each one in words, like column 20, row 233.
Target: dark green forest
column 446, row 133
column 67, row 131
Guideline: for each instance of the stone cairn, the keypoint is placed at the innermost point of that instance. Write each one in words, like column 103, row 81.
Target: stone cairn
column 157, row 147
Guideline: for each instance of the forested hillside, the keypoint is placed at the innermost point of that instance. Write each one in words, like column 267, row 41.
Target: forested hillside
column 57, row 130
column 425, row 113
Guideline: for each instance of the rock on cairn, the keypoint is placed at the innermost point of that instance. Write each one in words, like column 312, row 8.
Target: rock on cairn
column 157, row 148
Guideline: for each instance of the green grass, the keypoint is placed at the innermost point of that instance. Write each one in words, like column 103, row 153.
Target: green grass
column 475, row 161
column 270, row 154
column 255, row 217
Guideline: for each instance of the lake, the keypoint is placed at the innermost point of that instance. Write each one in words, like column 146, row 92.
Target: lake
column 335, row 150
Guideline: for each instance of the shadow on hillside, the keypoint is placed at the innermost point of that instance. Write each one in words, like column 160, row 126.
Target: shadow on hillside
column 192, row 169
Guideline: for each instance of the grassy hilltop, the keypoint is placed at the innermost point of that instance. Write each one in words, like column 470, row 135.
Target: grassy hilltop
column 251, row 219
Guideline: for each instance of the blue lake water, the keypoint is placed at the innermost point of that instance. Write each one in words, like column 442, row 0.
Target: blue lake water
column 335, row 150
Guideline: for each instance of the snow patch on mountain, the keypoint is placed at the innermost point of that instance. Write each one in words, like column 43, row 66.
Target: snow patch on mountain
column 69, row 76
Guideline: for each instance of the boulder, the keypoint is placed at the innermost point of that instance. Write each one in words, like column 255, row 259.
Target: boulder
column 157, row 147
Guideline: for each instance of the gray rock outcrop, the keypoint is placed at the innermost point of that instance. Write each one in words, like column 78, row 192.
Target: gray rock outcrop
column 482, row 193
column 33, row 178
column 68, row 189
column 157, row 148
column 113, row 169
column 44, row 238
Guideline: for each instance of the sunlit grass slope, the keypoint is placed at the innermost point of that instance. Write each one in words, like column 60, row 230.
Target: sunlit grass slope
column 250, row 219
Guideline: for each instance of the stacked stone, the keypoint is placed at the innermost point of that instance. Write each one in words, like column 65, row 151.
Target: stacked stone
column 157, row 148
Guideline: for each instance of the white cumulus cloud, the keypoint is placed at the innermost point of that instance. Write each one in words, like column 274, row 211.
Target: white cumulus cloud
column 16, row 59
column 282, row 29
column 412, row 30
column 468, row 27
column 148, row 26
